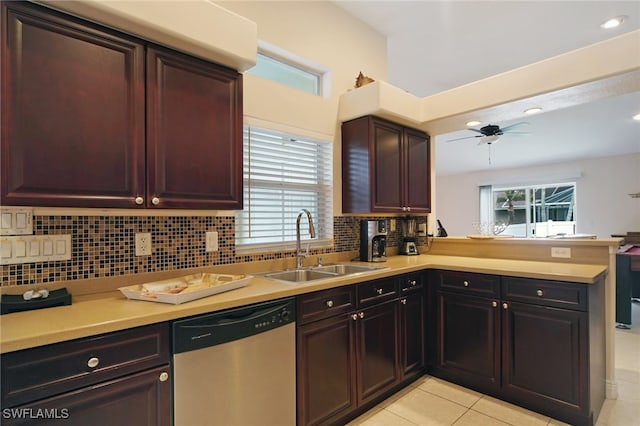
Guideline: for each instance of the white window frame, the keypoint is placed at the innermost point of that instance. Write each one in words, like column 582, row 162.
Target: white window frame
column 531, row 224
column 281, row 55
column 270, row 175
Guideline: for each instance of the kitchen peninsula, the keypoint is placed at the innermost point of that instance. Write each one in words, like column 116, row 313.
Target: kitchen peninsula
column 108, row 311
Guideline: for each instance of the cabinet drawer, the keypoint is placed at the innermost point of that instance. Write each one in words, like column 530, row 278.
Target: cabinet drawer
column 32, row 374
column 469, row 283
column 325, row 304
column 548, row 293
column 411, row 282
column 377, row 291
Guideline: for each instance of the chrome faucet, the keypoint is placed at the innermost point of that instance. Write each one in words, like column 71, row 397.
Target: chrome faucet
column 300, row 255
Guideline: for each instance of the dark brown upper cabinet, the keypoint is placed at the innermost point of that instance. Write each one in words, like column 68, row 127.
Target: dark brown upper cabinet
column 95, row 118
column 385, row 167
column 194, row 133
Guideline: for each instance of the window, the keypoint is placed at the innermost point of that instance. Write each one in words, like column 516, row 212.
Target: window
column 276, row 64
column 530, row 211
column 283, row 174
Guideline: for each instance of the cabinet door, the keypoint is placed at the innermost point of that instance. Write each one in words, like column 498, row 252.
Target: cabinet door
column 412, row 334
column 72, row 112
column 194, row 133
column 326, row 379
column 417, row 171
column 546, row 357
column 377, row 334
column 138, row 399
column 387, row 160
column 468, row 340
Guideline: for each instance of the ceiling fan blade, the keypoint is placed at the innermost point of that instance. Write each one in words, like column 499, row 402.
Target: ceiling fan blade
column 522, row 123
column 517, row 134
column 476, row 130
column 466, row 137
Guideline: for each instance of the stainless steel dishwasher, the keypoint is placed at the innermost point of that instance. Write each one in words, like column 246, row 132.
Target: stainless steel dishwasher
column 236, row 367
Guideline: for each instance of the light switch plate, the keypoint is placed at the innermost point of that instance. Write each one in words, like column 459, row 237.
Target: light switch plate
column 34, row 248
column 16, row 221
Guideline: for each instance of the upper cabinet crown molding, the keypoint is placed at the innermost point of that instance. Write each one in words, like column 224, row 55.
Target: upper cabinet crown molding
column 608, row 68
column 197, row 27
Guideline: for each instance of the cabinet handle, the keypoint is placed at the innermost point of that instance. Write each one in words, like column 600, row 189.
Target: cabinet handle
column 330, row 303
column 139, row 201
column 164, row 376
column 404, row 209
column 494, row 304
column 379, row 290
column 361, row 314
column 540, row 293
column 412, row 283
column 403, row 301
column 354, row 317
column 93, row 362
column 505, row 306
column 408, row 208
column 465, row 283
column 155, row 201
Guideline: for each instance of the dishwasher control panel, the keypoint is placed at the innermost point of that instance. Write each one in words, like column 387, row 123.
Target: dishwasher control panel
column 232, row 324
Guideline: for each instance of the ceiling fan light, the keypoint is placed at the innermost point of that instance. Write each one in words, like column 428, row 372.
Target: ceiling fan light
column 613, row 22
column 473, row 123
column 490, row 139
column 533, row 110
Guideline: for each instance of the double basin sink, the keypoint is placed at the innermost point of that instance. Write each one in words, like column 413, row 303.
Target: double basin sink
column 319, row 272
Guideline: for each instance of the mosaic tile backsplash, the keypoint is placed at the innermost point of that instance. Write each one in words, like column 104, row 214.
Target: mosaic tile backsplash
column 104, row 246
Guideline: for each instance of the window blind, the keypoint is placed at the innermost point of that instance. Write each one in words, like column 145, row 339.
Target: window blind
column 282, row 175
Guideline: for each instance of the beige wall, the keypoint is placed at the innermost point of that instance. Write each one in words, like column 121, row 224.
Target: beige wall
column 326, row 35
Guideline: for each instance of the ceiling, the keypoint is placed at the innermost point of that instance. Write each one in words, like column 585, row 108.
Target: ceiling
column 438, row 45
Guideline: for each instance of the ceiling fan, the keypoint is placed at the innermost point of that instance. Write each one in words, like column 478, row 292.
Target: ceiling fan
column 491, row 133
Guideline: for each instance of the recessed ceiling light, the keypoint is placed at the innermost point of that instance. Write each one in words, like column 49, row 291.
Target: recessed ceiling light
column 533, row 110
column 636, row 117
column 613, row 22
column 473, row 123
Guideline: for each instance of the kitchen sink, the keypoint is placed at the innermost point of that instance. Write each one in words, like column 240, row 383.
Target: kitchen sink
column 300, row 275
column 342, row 269
column 319, row 272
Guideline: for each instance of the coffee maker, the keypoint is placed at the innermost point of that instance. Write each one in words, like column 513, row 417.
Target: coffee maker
column 408, row 241
column 373, row 240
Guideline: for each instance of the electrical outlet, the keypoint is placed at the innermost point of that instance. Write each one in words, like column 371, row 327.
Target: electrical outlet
column 211, row 241
column 143, row 244
column 561, row 252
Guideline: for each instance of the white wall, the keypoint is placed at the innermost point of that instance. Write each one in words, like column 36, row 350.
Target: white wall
column 603, row 206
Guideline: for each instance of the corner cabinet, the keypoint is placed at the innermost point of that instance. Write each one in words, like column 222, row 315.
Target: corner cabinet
column 537, row 343
column 356, row 345
column 385, row 167
column 95, row 118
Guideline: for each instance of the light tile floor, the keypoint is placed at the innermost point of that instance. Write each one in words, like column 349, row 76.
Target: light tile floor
column 431, row 401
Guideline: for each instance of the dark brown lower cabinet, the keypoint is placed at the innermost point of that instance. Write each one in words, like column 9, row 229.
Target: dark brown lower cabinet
column 469, row 339
column 412, row 334
column 536, row 343
column 356, row 345
column 545, row 356
column 123, row 377
column 326, row 370
column 377, row 349
column 142, row 399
